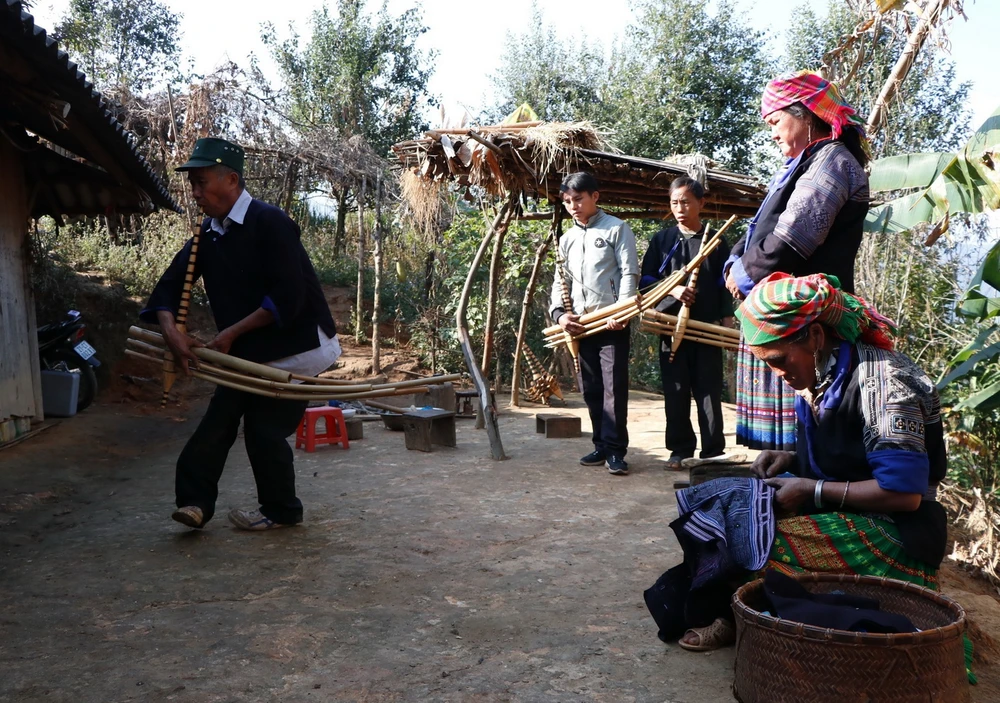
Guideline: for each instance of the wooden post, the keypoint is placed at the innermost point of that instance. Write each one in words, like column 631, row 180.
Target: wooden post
column 529, row 293
column 377, row 261
column 491, row 299
column 359, row 328
column 501, row 222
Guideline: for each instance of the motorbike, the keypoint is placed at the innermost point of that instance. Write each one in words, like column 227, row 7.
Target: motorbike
column 62, row 347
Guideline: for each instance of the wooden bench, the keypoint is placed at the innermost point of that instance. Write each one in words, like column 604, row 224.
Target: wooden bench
column 557, row 426
column 424, row 428
column 464, row 406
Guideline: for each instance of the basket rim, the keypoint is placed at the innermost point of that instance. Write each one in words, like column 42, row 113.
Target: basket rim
column 755, row 618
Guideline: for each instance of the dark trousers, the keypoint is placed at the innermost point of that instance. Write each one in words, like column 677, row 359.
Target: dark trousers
column 604, row 372
column 697, row 370
column 267, row 422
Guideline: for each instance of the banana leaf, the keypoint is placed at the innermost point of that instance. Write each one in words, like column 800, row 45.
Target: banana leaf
column 907, row 171
column 965, row 367
column 968, row 181
column 982, row 401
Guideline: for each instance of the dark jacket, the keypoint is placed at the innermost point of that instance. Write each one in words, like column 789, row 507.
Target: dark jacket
column 881, row 419
column 260, row 263
column 819, row 229
column 713, row 302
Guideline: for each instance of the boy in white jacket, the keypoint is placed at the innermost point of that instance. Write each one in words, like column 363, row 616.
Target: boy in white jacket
column 600, row 265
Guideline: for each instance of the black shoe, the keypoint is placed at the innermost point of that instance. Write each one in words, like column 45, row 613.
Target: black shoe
column 617, row 465
column 595, row 458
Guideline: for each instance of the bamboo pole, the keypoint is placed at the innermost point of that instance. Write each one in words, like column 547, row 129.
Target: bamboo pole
column 502, row 219
column 496, row 263
column 377, row 262
column 693, row 324
column 929, row 16
column 529, row 293
column 276, row 378
column 218, row 358
column 359, row 305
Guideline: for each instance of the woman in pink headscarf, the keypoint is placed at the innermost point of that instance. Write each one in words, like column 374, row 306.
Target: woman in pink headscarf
column 810, row 222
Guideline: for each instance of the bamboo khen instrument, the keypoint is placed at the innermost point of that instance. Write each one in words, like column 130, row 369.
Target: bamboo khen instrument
column 180, row 321
column 259, row 379
column 567, row 301
column 624, row 310
column 685, row 312
column 703, row 332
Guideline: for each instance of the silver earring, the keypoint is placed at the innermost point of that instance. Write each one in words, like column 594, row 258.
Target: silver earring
column 819, row 374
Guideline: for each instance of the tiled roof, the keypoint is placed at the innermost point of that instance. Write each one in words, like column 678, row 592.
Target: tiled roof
column 49, row 96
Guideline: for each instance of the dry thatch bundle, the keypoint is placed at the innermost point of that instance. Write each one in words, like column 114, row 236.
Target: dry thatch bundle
column 532, row 158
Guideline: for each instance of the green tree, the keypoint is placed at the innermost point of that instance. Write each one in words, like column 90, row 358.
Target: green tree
column 686, row 81
column 681, row 81
column 561, row 81
column 930, row 112
column 359, row 74
column 122, row 45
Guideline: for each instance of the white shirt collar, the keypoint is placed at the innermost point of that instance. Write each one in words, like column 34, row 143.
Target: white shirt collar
column 237, row 214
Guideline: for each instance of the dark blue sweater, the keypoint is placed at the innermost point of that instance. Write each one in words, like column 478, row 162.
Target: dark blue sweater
column 260, row 263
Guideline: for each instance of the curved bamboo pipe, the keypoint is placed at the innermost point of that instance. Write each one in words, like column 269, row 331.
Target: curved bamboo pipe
column 685, row 312
column 180, row 321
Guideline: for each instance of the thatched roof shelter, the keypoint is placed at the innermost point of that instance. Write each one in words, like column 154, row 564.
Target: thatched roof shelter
column 522, row 161
column 532, row 157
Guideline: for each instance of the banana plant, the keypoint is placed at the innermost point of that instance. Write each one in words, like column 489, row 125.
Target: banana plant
column 938, row 185
column 930, row 188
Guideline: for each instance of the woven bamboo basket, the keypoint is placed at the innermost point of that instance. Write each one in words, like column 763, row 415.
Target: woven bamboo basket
column 779, row 661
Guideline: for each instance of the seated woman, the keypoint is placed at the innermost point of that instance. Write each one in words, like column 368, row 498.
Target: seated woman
column 861, row 484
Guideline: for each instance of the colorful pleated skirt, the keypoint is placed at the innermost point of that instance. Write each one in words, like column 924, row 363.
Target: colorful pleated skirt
column 765, row 405
column 846, row 543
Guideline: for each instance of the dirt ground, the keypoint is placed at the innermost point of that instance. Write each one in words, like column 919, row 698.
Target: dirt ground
column 416, row 577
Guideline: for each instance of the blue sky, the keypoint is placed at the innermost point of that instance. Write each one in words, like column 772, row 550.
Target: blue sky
column 469, row 36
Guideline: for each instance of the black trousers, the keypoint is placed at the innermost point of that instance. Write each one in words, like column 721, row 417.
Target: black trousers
column 267, row 422
column 604, row 372
column 697, row 370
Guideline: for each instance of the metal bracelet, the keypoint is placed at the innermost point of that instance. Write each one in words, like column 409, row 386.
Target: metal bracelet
column 818, row 494
column 843, row 498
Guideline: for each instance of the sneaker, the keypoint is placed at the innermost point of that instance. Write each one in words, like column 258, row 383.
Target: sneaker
column 617, row 465
column 254, row 520
column 190, row 515
column 595, row 458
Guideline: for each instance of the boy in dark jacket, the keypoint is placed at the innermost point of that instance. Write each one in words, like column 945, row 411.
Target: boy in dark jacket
column 696, row 368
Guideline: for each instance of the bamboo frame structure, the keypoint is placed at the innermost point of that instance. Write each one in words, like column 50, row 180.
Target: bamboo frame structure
column 523, row 161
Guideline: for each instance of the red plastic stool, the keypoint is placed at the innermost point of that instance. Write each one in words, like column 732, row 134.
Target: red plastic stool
column 335, row 431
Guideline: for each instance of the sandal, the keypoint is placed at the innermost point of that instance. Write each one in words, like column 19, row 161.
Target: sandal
column 719, row 634
column 674, row 463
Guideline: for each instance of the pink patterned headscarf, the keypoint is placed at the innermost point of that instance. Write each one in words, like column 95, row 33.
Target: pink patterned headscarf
column 815, row 92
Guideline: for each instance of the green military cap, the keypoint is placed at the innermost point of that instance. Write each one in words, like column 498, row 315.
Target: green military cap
column 212, row 151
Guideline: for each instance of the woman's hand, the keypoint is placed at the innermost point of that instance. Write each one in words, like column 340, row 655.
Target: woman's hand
column 791, row 493
column 769, row 463
column 733, row 286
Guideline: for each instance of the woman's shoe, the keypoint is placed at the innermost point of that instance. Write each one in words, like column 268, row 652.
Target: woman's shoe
column 719, row 634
